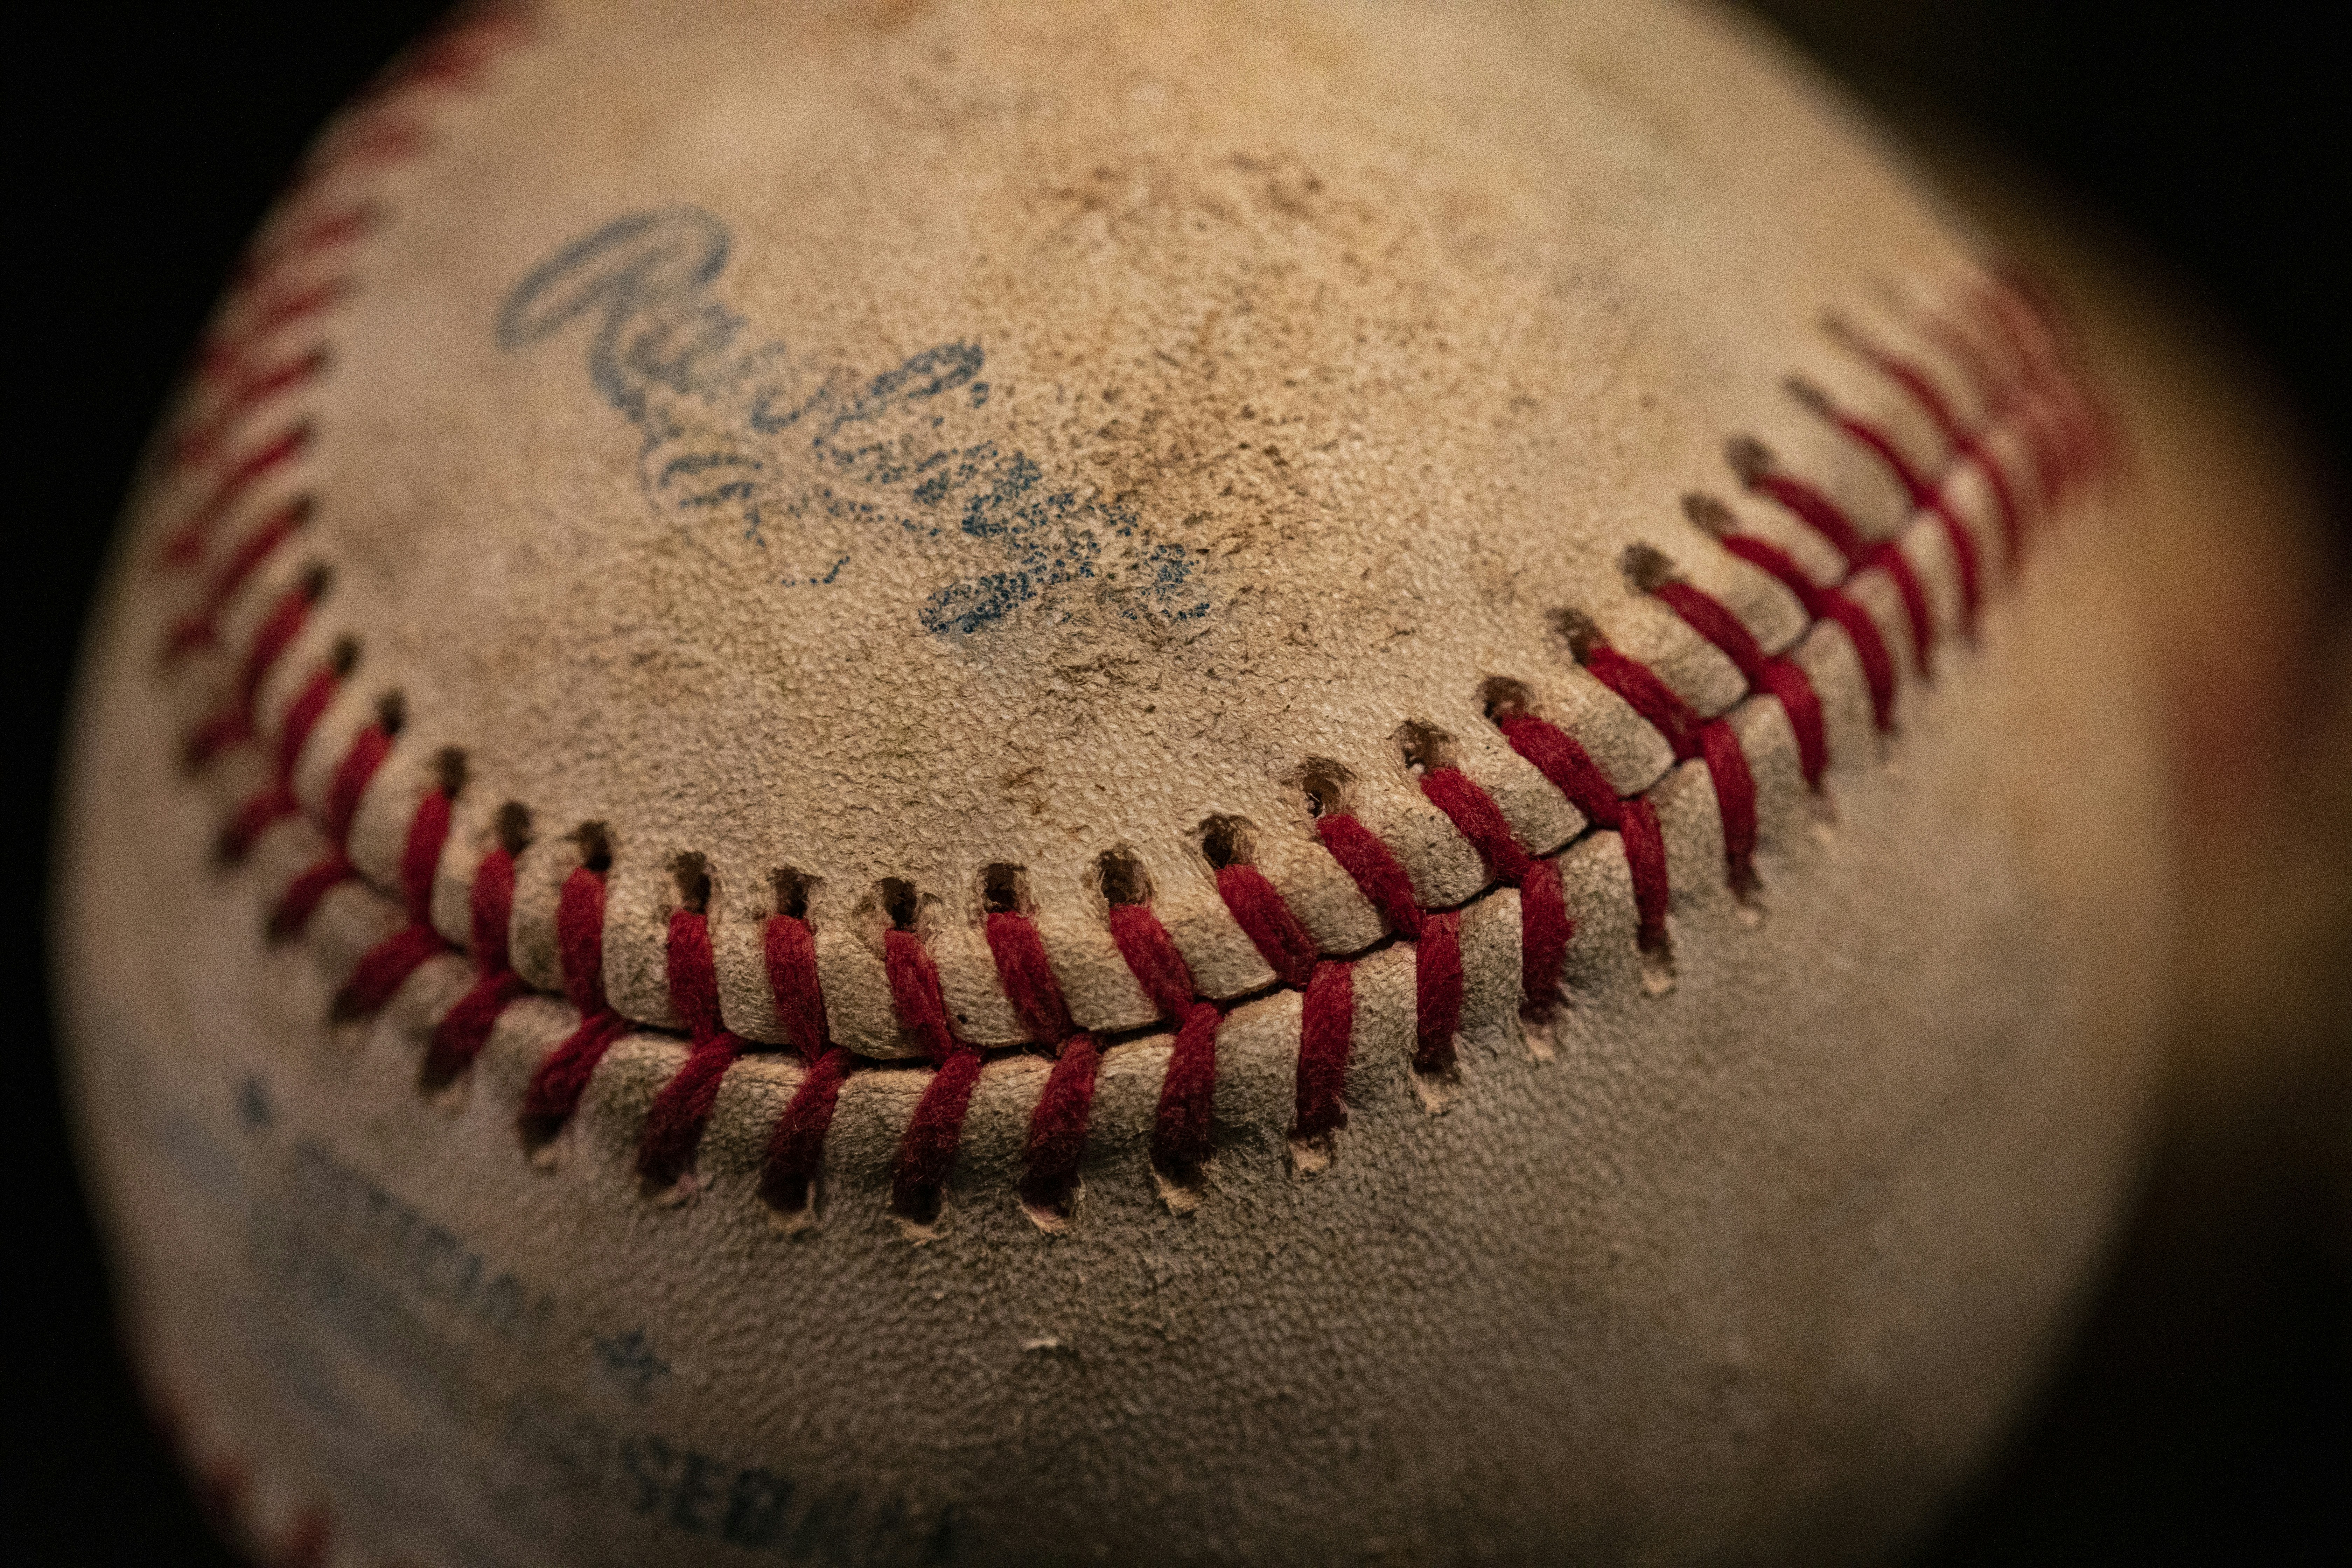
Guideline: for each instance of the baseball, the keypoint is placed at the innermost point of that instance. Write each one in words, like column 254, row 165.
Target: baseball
column 1017, row 783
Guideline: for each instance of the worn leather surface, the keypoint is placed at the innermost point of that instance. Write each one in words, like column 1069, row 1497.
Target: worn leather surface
column 887, row 443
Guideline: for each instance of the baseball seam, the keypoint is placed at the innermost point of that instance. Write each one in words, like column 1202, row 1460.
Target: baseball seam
column 2035, row 440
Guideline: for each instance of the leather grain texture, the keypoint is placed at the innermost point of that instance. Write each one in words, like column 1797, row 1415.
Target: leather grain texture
column 881, row 443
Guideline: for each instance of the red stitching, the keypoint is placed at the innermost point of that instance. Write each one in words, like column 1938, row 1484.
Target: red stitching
column 1557, row 755
column 233, row 724
column 1058, row 1121
column 320, row 234
column 1437, row 992
column 1781, row 677
column 1326, row 1029
column 1437, row 954
column 915, row 994
column 1152, row 958
column 252, row 390
column 365, row 756
column 458, row 1038
column 224, row 352
column 562, row 1075
column 1027, row 977
column 1710, row 741
column 275, row 801
column 790, row 948
column 796, row 1144
column 1963, row 441
column 1376, row 871
column 1266, row 919
column 927, row 1150
column 384, row 967
column 185, row 545
column 1830, row 604
column 1545, row 928
column 674, row 1124
column 1810, row 506
column 1182, row 1123
column 1058, row 1126
column 1182, row 1128
column 1923, row 495
column 202, row 629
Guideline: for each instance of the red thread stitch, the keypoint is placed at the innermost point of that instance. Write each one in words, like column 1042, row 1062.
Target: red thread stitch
column 275, row 801
column 320, row 234
column 1326, row 1026
column 1633, row 818
column 1376, row 872
column 185, row 545
column 1710, row 739
column 202, row 629
column 1027, row 978
column 366, row 754
column 1058, row 1126
column 1923, row 495
column 1830, row 604
column 927, row 1150
column 1544, row 926
column 224, row 354
column 674, row 1124
column 1781, row 677
column 790, row 950
column 1962, row 440
column 1182, row 1125
column 1437, row 992
column 1057, row 1123
column 1266, row 919
column 251, row 390
column 1437, row 955
column 234, row 723
column 1810, row 506
column 458, row 1038
column 386, row 965
column 562, row 1075
column 796, row 1144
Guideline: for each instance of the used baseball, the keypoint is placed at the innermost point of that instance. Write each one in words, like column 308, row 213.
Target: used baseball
column 1008, row 782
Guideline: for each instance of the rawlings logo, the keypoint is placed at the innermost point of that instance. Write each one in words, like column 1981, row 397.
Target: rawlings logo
column 743, row 430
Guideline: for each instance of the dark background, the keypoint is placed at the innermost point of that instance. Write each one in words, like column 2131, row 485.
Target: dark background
column 2214, row 137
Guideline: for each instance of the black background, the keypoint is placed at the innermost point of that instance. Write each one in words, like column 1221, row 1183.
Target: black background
column 151, row 137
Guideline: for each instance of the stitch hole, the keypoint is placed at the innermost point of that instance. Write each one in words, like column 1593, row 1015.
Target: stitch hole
column 1578, row 631
column 391, row 713
column 511, row 827
column 918, row 1210
column 1750, row 459
column 1329, row 787
column 316, row 578
column 691, row 872
column 344, row 657
column 595, row 842
column 793, row 887
column 1228, row 841
column 1709, row 516
column 1807, row 394
column 1004, row 888
column 1425, row 747
column 449, row 771
column 1123, row 878
column 1503, row 698
column 899, row 902
column 1647, row 568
